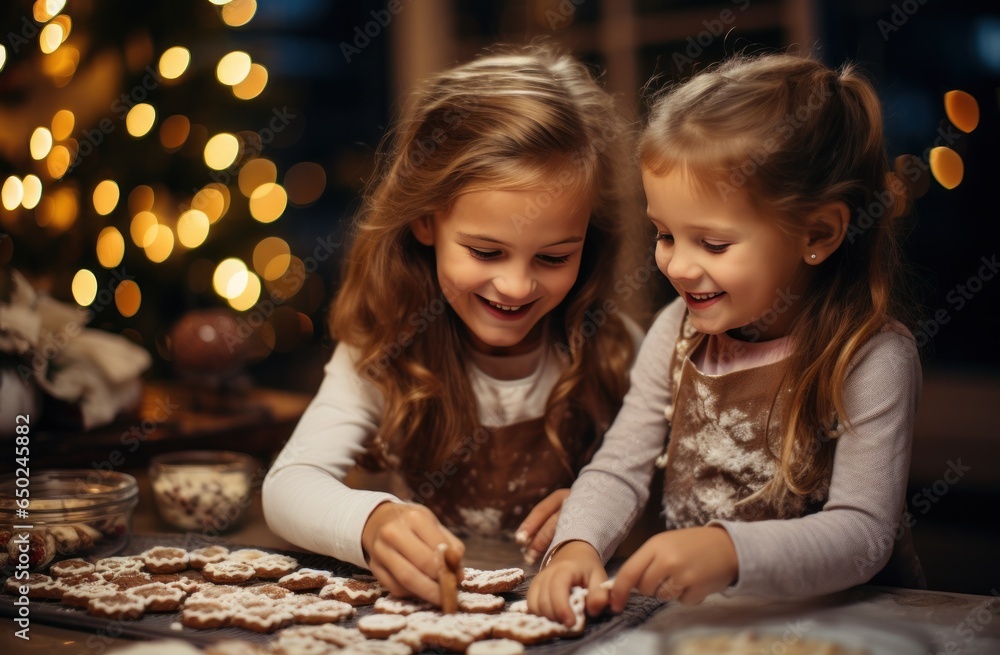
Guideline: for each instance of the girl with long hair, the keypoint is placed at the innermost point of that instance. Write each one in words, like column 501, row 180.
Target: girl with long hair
column 782, row 380
column 482, row 350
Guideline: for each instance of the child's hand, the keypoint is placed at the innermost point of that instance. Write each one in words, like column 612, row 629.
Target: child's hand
column 401, row 541
column 575, row 564
column 537, row 529
column 685, row 565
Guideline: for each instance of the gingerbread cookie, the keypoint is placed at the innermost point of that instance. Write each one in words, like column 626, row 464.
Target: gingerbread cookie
column 332, row 634
column 305, row 579
column 163, row 559
column 206, row 614
column 491, row 582
column 496, row 647
column 71, row 567
column 81, row 595
column 349, row 590
column 479, row 603
column 38, row 585
column 159, row 597
column 396, row 605
column 199, row 557
column 375, row 647
column 274, row 566
column 266, row 618
column 578, row 603
column 294, row 645
column 321, row 611
column 527, row 629
column 119, row 606
column 109, row 567
column 381, row 626
column 228, row 572
column 269, row 590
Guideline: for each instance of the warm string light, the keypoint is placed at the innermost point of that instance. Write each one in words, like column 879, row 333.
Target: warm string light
column 156, row 234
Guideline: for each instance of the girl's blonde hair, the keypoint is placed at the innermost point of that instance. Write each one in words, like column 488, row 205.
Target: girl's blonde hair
column 528, row 118
column 793, row 135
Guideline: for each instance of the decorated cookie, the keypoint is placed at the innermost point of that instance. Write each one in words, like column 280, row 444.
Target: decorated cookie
column 274, row 566
column 376, row 647
column 305, row 579
column 118, row 606
column 81, row 595
column 396, row 605
column 266, row 618
column 165, row 560
column 332, row 634
column 495, row 647
column 71, row 567
column 159, row 597
column 349, row 590
column 527, row 629
column 381, row 626
column 206, row 614
column 199, row 557
column 109, row 567
column 321, row 611
column 228, row 572
column 479, row 603
column 491, row 582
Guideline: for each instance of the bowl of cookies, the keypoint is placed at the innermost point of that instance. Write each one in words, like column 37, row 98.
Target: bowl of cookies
column 57, row 514
column 203, row 490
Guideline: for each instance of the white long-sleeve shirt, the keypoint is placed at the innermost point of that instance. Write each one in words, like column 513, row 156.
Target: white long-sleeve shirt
column 305, row 499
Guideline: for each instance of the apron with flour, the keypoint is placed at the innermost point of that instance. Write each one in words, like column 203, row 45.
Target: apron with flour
column 724, row 445
column 492, row 482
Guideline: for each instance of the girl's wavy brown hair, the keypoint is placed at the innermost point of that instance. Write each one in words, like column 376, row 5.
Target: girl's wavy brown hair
column 793, row 135
column 526, row 118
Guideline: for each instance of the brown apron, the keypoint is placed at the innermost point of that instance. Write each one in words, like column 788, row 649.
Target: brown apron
column 724, row 445
column 490, row 490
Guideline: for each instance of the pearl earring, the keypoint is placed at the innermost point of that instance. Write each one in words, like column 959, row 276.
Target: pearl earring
column 812, row 256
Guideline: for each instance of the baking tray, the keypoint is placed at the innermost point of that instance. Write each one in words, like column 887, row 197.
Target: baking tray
column 163, row 625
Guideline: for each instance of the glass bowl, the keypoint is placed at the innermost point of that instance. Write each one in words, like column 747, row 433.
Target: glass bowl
column 69, row 513
column 203, row 490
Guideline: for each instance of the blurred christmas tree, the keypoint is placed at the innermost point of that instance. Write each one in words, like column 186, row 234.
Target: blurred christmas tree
column 152, row 164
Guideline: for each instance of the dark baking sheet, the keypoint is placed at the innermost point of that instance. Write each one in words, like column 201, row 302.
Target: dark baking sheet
column 158, row 625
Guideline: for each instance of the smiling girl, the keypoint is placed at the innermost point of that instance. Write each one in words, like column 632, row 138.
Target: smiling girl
column 478, row 357
column 781, row 380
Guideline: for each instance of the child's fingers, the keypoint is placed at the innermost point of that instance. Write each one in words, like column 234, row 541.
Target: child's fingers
column 598, row 592
column 629, row 576
column 539, row 515
column 542, row 539
column 411, row 578
column 455, row 551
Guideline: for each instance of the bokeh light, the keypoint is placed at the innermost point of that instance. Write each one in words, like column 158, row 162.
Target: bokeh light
column 305, row 183
column 249, row 296
column 110, row 247
column 255, row 173
column 32, row 191
column 221, row 151
column 12, row 193
column 161, row 244
column 233, row 68
column 947, row 167
column 128, row 298
column 192, row 228
column 84, row 287
column 142, row 228
column 254, row 83
column 237, row 13
column 58, row 161
column 106, row 196
column 271, row 258
column 174, row 61
column 141, row 199
column 140, row 119
column 51, row 38
column 213, row 200
column 63, row 122
column 230, row 278
column 46, row 10
column 3, row 55
column 174, row 131
column 268, row 202
column 962, row 110
column 40, row 144
column 290, row 282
